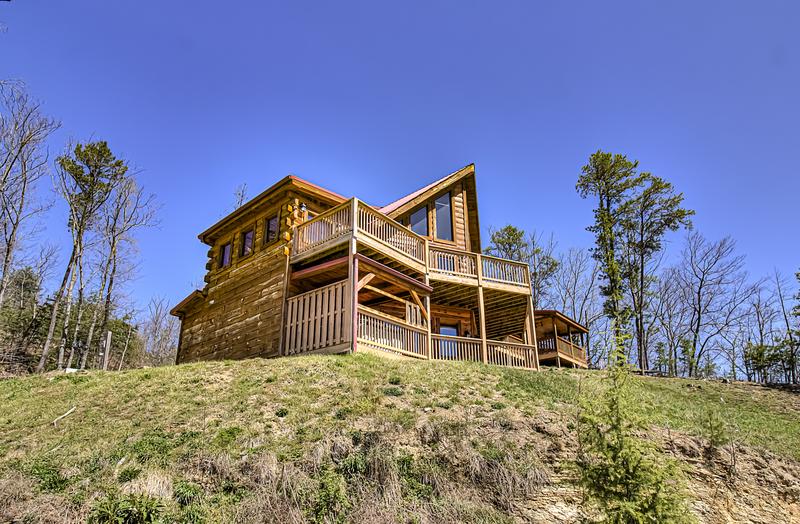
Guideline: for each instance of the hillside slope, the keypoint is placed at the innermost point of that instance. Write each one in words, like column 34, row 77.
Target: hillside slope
column 366, row 439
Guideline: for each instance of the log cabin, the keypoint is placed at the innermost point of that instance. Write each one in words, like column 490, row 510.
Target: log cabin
column 300, row 270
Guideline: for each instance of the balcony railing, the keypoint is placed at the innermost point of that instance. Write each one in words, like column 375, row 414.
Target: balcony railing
column 318, row 319
column 386, row 333
column 511, row 354
column 390, row 233
column 453, row 262
column 383, row 233
column 563, row 346
column 330, row 227
column 323, row 229
column 465, row 266
column 504, row 271
column 444, row 347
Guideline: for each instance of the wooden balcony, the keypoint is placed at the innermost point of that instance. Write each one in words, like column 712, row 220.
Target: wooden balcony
column 474, row 269
column 354, row 219
column 389, row 334
column 559, row 348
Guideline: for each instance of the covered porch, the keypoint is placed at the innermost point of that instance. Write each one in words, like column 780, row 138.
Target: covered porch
column 353, row 302
column 560, row 339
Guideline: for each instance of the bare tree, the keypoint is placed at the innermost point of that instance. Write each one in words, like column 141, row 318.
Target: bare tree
column 714, row 285
column 160, row 333
column 793, row 346
column 23, row 161
column 129, row 209
column 543, row 265
column 575, row 292
column 239, row 196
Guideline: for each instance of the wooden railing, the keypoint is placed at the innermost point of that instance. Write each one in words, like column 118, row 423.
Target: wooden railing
column 504, row 271
column 323, row 228
column 453, row 262
column 445, row 347
column 563, row 346
column 318, row 319
column 389, row 232
column 381, row 331
column 510, row 354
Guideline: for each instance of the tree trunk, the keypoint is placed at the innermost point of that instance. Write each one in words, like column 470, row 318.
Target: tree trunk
column 54, row 314
column 65, row 328
column 109, row 290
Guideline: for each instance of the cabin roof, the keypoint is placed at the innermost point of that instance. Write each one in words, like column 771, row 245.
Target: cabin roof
column 423, row 192
column 290, row 180
column 560, row 317
column 181, row 306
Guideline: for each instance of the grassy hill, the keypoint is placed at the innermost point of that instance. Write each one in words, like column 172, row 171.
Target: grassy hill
column 366, row 439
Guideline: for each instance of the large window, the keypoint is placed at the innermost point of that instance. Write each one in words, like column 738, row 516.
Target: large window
column 271, row 230
column 419, row 221
column 246, row 247
column 444, row 218
column 225, row 255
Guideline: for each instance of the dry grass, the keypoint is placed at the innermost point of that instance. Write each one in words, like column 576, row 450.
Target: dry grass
column 325, row 439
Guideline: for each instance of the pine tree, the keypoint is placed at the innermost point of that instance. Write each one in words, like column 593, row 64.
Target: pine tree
column 627, row 479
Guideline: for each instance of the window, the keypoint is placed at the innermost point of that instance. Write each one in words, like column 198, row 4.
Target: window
column 444, row 218
column 225, row 255
column 271, row 230
column 419, row 221
column 246, row 247
column 451, row 330
column 447, row 348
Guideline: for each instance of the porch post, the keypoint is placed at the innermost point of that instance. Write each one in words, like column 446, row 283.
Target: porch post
column 428, row 341
column 352, row 270
column 555, row 342
column 531, row 327
column 484, row 349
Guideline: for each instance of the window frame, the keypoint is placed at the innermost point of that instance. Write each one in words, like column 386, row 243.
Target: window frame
column 277, row 216
column 435, row 236
column 425, row 207
column 240, row 252
column 220, row 255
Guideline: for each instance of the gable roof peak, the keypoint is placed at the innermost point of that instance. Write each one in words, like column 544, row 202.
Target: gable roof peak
column 434, row 186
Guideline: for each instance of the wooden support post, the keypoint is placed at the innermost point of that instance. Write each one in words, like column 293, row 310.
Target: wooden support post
column 555, row 343
column 427, row 308
column 352, row 270
column 482, row 309
column 571, row 346
column 286, row 277
column 530, row 327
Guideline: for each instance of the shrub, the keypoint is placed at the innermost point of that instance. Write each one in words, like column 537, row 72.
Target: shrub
column 128, row 474
column 626, row 478
column 131, row 509
column 186, row 493
column 193, row 514
column 330, row 502
column 281, row 412
column 392, row 391
column 395, row 381
column 227, row 436
column 48, row 475
column 154, row 445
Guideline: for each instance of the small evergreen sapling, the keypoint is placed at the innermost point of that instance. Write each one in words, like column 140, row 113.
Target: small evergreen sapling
column 623, row 476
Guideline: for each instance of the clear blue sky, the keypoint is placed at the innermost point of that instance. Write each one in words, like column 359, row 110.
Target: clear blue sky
column 375, row 99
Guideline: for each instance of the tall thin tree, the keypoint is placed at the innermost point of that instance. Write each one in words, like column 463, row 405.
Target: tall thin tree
column 85, row 177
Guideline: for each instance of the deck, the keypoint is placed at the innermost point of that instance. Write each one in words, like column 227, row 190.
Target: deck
column 371, row 229
column 561, row 349
column 332, row 318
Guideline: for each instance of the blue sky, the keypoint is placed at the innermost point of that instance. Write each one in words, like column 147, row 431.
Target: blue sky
column 375, row 99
